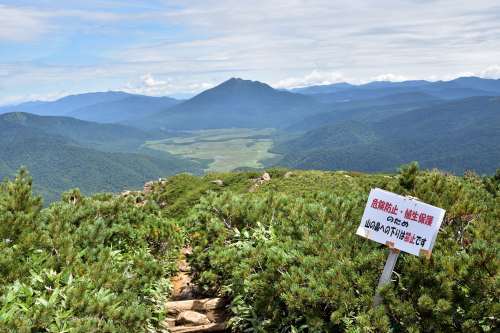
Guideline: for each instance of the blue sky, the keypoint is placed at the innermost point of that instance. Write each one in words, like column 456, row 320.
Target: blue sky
column 53, row 48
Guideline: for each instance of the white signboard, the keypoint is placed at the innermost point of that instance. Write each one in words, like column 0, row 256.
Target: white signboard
column 403, row 223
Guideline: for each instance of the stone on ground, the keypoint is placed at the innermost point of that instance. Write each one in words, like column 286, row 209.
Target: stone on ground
column 191, row 318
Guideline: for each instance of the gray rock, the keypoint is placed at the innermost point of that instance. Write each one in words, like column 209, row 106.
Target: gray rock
column 191, row 318
column 218, row 182
column 148, row 187
column 265, row 177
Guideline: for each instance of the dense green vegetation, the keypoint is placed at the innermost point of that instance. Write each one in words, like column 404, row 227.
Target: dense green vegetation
column 64, row 153
column 96, row 264
column 284, row 252
column 289, row 259
column 106, row 137
column 454, row 136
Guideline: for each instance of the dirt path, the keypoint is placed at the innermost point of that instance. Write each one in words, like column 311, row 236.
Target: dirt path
column 185, row 312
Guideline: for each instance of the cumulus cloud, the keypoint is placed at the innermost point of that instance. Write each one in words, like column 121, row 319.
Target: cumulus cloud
column 150, row 82
column 311, row 79
column 149, row 85
column 389, row 77
column 317, row 77
column 17, row 99
column 491, row 72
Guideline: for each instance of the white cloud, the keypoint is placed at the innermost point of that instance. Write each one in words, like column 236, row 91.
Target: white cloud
column 20, row 25
column 317, row 77
column 17, row 99
column 149, row 85
column 492, row 72
column 192, row 45
column 389, row 77
column 198, row 87
column 150, row 82
column 280, row 41
column 313, row 78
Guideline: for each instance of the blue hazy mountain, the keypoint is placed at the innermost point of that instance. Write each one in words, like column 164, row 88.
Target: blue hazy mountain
column 455, row 89
column 324, row 89
column 236, row 103
column 127, row 109
column 106, row 107
column 65, row 105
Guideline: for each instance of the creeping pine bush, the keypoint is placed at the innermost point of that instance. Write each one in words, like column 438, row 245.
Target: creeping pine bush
column 97, row 264
column 294, row 264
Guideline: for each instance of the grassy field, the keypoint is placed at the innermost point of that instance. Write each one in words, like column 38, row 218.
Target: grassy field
column 228, row 149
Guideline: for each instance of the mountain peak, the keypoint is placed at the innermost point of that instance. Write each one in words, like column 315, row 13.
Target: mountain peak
column 235, row 79
column 240, row 83
column 236, row 87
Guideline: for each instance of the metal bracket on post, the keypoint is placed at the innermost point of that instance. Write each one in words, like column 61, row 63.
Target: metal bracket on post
column 385, row 278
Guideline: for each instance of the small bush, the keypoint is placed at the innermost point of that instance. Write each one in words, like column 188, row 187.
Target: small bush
column 294, row 263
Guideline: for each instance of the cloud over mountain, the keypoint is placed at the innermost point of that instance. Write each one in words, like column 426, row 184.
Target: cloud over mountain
column 186, row 47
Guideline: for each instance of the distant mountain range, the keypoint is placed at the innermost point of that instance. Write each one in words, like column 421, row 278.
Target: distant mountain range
column 455, row 89
column 244, row 103
column 95, row 140
column 104, row 107
column 236, row 103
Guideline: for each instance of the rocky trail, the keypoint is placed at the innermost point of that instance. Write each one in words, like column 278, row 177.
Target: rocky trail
column 185, row 312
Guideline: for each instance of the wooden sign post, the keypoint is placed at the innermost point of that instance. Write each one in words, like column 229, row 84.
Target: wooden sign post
column 385, row 278
column 403, row 224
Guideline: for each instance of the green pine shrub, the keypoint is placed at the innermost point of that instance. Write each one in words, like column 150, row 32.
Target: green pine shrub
column 98, row 264
column 292, row 263
column 286, row 254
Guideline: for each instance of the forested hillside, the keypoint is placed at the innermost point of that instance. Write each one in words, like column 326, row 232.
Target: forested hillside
column 64, row 153
column 111, row 137
column 280, row 248
column 455, row 136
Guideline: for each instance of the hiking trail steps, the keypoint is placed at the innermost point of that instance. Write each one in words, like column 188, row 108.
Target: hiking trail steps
column 185, row 313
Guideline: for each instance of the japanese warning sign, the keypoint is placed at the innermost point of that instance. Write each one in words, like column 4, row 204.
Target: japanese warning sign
column 403, row 223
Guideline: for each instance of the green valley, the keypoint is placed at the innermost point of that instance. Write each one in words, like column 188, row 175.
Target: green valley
column 225, row 149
